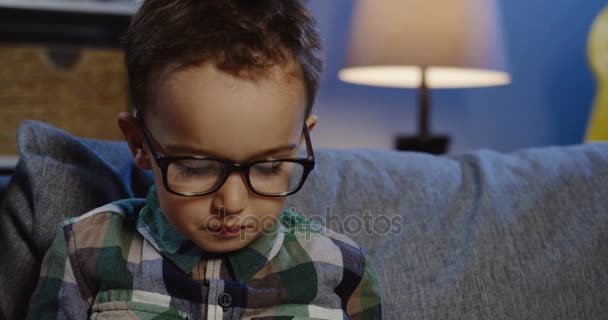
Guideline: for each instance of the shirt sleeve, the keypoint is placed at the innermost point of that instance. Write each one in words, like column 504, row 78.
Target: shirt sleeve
column 365, row 302
column 57, row 295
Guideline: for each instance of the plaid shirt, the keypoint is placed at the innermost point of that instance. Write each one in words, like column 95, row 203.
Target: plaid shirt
column 125, row 261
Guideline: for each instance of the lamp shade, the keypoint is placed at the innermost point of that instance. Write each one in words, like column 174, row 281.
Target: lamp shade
column 457, row 42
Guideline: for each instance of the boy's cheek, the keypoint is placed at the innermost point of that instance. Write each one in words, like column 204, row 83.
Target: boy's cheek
column 267, row 212
column 186, row 214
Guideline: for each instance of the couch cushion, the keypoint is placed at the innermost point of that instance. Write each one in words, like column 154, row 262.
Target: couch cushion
column 57, row 176
column 483, row 235
column 477, row 235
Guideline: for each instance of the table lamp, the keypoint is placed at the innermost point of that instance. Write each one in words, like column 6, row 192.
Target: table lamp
column 425, row 44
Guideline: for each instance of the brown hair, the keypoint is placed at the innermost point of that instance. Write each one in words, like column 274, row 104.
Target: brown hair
column 243, row 37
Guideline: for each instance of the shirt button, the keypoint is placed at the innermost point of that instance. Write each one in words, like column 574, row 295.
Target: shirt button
column 224, row 300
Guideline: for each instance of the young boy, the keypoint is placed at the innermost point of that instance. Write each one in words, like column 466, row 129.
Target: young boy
column 223, row 92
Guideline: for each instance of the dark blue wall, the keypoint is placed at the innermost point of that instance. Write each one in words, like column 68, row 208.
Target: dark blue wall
column 547, row 103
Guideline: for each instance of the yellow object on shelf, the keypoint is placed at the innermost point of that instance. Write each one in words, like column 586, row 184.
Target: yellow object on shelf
column 597, row 49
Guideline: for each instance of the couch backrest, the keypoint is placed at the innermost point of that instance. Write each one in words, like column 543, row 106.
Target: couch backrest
column 476, row 235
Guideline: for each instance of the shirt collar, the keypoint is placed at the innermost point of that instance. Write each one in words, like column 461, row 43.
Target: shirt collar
column 175, row 247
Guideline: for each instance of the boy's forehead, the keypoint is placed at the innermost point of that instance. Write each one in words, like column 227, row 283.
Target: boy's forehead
column 205, row 109
column 287, row 70
column 177, row 79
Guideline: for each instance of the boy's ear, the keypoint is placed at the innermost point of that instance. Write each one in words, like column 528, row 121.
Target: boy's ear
column 311, row 121
column 135, row 139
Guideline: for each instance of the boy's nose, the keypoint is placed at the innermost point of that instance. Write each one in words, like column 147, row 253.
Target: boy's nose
column 232, row 197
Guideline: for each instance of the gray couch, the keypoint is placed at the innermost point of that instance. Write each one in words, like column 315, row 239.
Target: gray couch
column 480, row 235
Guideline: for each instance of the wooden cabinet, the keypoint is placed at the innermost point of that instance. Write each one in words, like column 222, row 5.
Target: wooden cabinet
column 61, row 63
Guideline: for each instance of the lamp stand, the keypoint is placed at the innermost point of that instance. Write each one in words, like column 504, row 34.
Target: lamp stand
column 423, row 141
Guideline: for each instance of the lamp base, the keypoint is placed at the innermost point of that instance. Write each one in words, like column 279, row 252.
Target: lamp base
column 432, row 144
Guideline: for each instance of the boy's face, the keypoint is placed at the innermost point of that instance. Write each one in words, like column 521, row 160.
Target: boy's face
column 202, row 110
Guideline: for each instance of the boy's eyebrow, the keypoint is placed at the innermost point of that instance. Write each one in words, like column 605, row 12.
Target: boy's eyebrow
column 187, row 150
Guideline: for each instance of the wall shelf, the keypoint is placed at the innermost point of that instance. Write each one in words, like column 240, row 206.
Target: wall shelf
column 70, row 23
column 81, row 6
column 64, row 22
column 8, row 161
column 7, row 165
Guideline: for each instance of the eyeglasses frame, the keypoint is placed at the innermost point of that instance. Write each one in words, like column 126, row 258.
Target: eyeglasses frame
column 163, row 163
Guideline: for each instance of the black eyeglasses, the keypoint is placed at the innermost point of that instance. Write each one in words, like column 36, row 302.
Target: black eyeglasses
column 193, row 176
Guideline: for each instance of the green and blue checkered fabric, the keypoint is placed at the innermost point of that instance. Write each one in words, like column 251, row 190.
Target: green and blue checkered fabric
column 125, row 261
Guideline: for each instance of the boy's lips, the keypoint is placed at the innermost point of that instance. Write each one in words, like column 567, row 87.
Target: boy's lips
column 226, row 228
column 225, row 231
